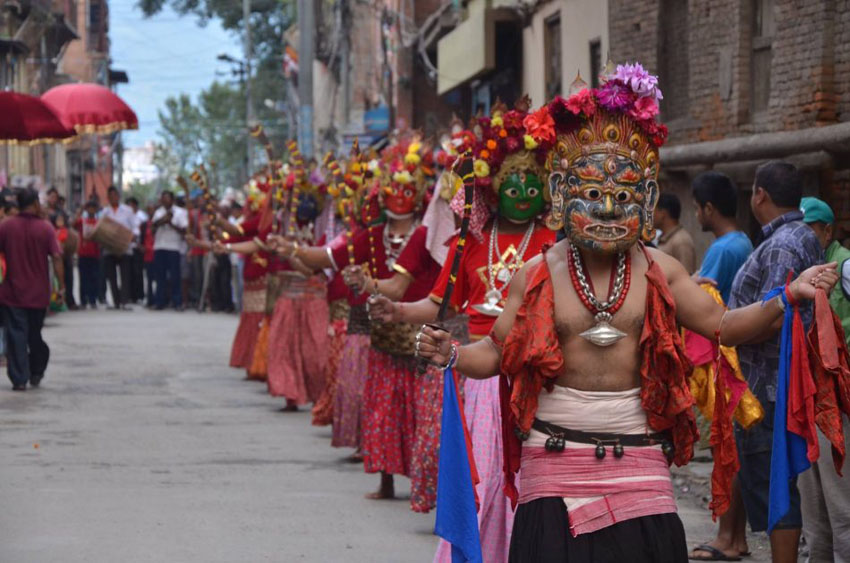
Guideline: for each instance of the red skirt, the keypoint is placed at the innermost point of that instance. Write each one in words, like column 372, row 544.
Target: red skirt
column 389, row 414
column 350, row 381
column 323, row 410
column 298, row 342
column 253, row 310
column 426, row 444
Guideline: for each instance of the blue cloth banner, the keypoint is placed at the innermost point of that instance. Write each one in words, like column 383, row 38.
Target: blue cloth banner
column 788, row 457
column 457, row 518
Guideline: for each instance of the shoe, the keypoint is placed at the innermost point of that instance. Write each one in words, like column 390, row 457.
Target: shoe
column 19, row 387
column 126, row 308
column 179, row 308
column 35, row 381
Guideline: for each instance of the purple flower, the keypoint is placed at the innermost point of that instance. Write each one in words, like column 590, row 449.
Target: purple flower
column 615, row 96
column 639, row 80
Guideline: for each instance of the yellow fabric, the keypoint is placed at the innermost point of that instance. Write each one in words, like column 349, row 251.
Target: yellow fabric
column 749, row 411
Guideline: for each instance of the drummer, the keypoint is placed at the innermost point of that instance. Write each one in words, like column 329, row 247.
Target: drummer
column 112, row 263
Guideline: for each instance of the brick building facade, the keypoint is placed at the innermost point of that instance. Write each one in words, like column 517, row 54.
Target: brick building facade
column 746, row 81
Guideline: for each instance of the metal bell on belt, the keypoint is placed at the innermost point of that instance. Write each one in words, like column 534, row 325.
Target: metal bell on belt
column 551, row 444
column 668, row 449
column 523, row 436
column 600, row 451
column 560, row 443
column 618, row 450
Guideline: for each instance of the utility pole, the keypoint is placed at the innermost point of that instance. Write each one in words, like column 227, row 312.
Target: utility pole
column 345, row 67
column 249, row 106
column 306, row 25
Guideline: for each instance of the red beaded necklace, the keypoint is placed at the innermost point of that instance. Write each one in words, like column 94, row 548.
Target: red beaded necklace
column 582, row 294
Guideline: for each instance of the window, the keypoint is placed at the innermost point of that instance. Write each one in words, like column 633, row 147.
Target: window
column 552, row 56
column 762, row 29
column 595, row 62
column 673, row 58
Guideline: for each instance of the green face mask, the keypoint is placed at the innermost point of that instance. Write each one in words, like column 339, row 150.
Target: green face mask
column 520, row 197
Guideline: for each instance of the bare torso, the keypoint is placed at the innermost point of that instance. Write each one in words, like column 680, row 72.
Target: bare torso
column 590, row 367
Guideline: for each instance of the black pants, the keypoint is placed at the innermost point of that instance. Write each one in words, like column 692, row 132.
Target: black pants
column 113, row 264
column 89, row 279
column 222, row 290
column 150, row 278
column 541, row 534
column 167, row 263
column 26, row 352
column 137, row 275
column 68, row 263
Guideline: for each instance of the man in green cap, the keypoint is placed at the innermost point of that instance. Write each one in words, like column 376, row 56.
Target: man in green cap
column 826, row 517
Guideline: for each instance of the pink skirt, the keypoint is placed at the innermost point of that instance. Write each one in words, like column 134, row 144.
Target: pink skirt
column 350, row 381
column 298, row 343
column 389, row 417
column 253, row 310
column 323, row 410
column 495, row 517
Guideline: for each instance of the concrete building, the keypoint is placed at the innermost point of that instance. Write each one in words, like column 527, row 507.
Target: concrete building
column 506, row 48
column 744, row 82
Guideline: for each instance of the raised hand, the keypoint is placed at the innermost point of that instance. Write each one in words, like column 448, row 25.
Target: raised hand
column 823, row 276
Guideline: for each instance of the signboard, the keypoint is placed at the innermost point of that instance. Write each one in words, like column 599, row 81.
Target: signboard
column 377, row 120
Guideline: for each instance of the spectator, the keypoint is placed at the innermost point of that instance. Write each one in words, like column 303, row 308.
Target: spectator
column 222, row 292
column 137, row 263
column 54, row 206
column 237, row 261
column 674, row 240
column 197, row 253
column 124, row 216
column 716, row 199
column 170, row 223
column 147, row 243
column 825, row 495
column 68, row 242
column 88, row 255
column 717, row 204
column 27, row 241
column 786, row 244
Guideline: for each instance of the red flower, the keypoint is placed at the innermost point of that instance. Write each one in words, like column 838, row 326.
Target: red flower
column 565, row 119
column 582, row 102
column 540, row 125
column 512, row 144
column 659, row 138
column 644, row 108
column 512, row 120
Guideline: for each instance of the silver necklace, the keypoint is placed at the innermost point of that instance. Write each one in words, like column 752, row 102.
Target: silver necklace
column 508, row 268
column 602, row 333
column 394, row 244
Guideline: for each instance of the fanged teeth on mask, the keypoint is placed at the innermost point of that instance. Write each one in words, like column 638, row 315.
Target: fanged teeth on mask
column 606, row 231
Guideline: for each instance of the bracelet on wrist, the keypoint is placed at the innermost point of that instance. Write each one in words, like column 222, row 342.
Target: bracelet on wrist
column 452, row 358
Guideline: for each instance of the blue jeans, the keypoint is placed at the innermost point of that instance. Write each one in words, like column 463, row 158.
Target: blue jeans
column 26, row 352
column 89, row 279
column 167, row 264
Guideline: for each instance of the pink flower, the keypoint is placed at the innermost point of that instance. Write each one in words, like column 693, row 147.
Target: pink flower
column 643, row 109
column 639, row 80
column 540, row 125
column 512, row 144
column 582, row 102
column 615, row 96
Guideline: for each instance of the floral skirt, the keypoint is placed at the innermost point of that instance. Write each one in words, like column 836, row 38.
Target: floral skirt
column 254, row 297
column 298, row 343
column 323, row 410
column 389, row 414
column 426, row 444
column 348, row 400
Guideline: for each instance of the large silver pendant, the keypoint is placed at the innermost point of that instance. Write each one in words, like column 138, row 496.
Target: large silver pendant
column 602, row 333
column 490, row 306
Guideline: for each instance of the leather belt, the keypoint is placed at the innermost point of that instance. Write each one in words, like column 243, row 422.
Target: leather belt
column 558, row 436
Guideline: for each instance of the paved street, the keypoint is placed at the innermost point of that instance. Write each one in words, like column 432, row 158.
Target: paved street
column 143, row 446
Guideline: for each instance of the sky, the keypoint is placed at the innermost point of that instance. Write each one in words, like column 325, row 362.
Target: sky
column 164, row 55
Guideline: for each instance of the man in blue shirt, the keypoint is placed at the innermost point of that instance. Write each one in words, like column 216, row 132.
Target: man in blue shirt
column 717, row 204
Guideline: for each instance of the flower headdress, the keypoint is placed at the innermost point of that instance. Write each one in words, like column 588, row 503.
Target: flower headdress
column 504, row 145
column 620, row 115
column 408, row 162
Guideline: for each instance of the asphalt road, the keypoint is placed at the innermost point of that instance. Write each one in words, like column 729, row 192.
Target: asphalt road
column 143, row 446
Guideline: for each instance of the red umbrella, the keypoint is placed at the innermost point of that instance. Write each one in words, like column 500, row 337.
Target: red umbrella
column 28, row 121
column 90, row 108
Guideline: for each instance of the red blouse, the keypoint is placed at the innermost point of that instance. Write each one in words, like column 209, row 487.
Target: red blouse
column 532, row 359
column 472, row 279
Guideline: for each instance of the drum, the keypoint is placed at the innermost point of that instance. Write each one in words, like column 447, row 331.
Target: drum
column 112, row 236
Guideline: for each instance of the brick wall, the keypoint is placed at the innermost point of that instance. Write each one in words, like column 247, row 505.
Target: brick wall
column 809, row 82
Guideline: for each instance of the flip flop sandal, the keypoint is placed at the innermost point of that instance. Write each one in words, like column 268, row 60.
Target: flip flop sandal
column 716, row 554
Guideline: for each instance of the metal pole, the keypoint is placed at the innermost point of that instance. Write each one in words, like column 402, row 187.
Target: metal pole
column 249, row 106
column 345, row 70
column 306, row 55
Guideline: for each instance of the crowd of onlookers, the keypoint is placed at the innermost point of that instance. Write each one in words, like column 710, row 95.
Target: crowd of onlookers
column 159, row 269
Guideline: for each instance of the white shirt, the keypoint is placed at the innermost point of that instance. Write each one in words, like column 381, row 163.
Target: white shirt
column 141, row 218
column 124, row 216
column 167, row 236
